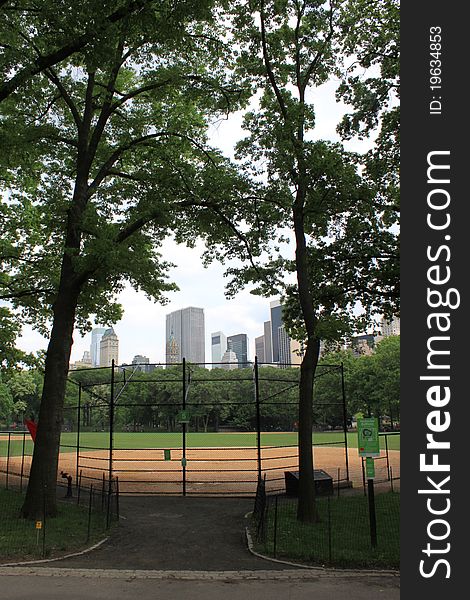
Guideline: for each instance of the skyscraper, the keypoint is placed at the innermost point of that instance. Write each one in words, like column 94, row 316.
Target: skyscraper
column 218, row 346
column 276, row 322
column 259, row 349
column 96, row 336
column 268, row 346
column 239, row 344
column 109, row 348
column 185, row 335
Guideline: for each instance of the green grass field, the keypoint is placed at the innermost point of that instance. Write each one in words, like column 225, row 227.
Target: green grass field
column 123, row 440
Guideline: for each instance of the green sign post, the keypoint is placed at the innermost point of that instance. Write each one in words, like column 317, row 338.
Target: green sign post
column 368, row 447
column 368, row 437
column 370, row 468
column 184, row 416
column 167, row 454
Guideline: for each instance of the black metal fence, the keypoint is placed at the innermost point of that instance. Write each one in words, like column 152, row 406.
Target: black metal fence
column 341, row 537
column 193, row 431
column 83, row 518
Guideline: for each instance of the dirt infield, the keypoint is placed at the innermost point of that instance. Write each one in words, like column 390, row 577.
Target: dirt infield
column 210, row 471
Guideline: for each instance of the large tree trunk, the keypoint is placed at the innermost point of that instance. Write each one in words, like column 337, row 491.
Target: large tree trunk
column 306, row 508
column 41, row 492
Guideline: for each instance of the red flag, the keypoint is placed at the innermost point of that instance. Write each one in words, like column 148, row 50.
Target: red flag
column 32, row 427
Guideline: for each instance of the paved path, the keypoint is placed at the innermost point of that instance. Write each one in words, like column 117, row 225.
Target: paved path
column 176, row 533
column 171, row 548
column 80, row 584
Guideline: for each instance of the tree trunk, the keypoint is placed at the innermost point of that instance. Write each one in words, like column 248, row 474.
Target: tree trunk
column 306, row 507
column 41, row 492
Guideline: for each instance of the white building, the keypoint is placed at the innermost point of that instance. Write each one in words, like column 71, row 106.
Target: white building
column 185, row 336
column 390, row 327
column 230, row 360
column 218, row 346
column 96, row 336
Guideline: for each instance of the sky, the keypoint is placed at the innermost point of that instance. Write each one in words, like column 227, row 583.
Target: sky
column 142, row 328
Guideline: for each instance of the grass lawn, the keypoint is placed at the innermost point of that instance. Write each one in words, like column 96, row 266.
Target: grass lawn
column 173, row 440
column 349, row 542
column 68, row 532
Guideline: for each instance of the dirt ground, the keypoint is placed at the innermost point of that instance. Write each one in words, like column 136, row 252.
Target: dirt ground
column 211, row 471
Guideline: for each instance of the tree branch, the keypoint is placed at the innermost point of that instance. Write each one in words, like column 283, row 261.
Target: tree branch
column 74, row 45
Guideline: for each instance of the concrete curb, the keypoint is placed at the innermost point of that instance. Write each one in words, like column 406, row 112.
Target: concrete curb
column 49, row 560
column 322, row 571
column 129, row 575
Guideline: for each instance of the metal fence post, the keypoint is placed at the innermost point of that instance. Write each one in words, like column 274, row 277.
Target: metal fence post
column 329, row 531
column 184, row 429
column 386, row 452
column 275, row 527
column 372, row 515
column 258, row 417
column 8, row 460
column 22, row 462
column 79, row 487
column 345, row 422
column 111, row 426
column 90, row 502
column 78, row 430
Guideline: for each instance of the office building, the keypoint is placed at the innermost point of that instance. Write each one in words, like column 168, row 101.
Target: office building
column 259, row 349
column 109, row 348
column 268, row 346
column 239, row 345
column 276, row 323
column 96, row 336
column 141, row 363
column 185, row 335
column 391, row 327
column 218, row 346
column 229, row 360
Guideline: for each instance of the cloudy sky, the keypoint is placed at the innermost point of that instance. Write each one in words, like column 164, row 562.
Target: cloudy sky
column 142, row 328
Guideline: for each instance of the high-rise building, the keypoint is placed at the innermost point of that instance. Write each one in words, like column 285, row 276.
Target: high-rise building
column 96, row 336
column 218, row 346
column 259, row 349
column 276, row 322
column 390, row 327
column 290, row 351
column 239, row 344
column 284, row 346
column 268, row 345
column 229, row 360
column 185, row 335
column 109, row 348
column 142, row 363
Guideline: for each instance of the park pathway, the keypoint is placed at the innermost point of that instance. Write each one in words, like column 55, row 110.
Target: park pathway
column 176, row 533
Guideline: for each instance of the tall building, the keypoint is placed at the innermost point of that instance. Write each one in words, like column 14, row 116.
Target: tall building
column 363, row 345
column 185, row 335
column 142, row 363
column 218, row 346
column 259, row 349
column 268, row 345
column 390, row 327
column 229, row 360
column 109, row 348
column 276, row 322
column 284, row 342
column 96, row 336
column 239, row 344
